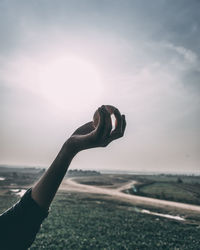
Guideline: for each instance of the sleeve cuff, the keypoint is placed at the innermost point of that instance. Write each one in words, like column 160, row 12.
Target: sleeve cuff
column 32, row 206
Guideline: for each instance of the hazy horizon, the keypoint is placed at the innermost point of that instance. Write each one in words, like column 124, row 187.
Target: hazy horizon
column 109, row 171
column 60, row 61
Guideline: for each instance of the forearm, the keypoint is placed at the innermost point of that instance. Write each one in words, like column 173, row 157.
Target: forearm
column 90, row 135
column 25, row 218
column 45, row 189
column 22, row 222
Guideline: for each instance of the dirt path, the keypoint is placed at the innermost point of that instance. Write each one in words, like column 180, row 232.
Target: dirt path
column 70, row 185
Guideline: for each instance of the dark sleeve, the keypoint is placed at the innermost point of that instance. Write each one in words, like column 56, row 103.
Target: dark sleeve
column 20, row 224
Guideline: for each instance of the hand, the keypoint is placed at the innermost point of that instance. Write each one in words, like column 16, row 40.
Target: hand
column 98, row 133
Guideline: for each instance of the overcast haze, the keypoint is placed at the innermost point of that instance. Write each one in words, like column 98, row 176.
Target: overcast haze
column 60, row 60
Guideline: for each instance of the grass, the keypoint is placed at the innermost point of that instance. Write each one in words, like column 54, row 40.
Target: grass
column 89, row 221
column 189, row 179
column 103, row 180
column 184, row 189
column 171, row 191
column 7, row 201
column 80, row 222
column 86, row 221
column 180, row 192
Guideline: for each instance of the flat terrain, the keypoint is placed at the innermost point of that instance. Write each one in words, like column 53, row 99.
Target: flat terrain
column 103, row 212
column 184, row 189
column 88, row 221
column 71, row 184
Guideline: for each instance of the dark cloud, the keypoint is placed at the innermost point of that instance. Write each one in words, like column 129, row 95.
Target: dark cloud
column 177, row 22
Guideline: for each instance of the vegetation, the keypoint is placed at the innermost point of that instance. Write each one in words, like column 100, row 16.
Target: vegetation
column 79, row 172
column 186, row 193
column 108, row 180
column 78, row 221
column 91, row 221
column 19, row 176
column 184, row 189
column 7, row 201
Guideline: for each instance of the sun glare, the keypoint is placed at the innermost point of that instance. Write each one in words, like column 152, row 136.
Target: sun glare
column 66, row 81
column 70, row 81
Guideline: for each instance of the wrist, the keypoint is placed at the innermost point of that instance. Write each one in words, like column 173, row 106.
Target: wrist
column 71, row 147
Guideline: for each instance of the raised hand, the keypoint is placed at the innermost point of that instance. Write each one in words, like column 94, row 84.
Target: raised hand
column 98, row 133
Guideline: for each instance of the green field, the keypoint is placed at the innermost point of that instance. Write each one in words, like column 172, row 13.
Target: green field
column 172, row 191
column 184, row 189
column 92, row 221
column 79, row 221
column 83, row 221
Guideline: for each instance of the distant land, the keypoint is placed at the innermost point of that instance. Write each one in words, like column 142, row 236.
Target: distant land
column 107, row 171
column 104, row 171
column 9, row 169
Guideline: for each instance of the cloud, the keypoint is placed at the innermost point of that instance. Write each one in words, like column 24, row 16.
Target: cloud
column 146, row 57
column 188, row 55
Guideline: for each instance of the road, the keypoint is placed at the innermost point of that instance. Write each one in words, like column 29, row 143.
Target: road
column 69, row 184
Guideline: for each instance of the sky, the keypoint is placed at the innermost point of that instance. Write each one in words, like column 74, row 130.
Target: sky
column 61, row 60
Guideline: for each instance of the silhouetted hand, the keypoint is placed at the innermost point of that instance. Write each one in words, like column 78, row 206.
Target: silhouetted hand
column 98, row 133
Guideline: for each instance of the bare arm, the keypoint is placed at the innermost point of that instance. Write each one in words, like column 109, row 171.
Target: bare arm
column 90, row 135
column 45, row 189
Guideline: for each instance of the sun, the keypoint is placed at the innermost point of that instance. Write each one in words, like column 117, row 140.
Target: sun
column 66, row 81
column 69, row 81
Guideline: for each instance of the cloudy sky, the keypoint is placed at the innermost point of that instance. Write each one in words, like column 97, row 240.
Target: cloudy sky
column 60, row 60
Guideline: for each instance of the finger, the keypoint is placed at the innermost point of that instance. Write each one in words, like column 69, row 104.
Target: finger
column 108, row 124
column 96, row 118
column 120, row 124
column 101, row 122
column 123, row 124
column 118, row 121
